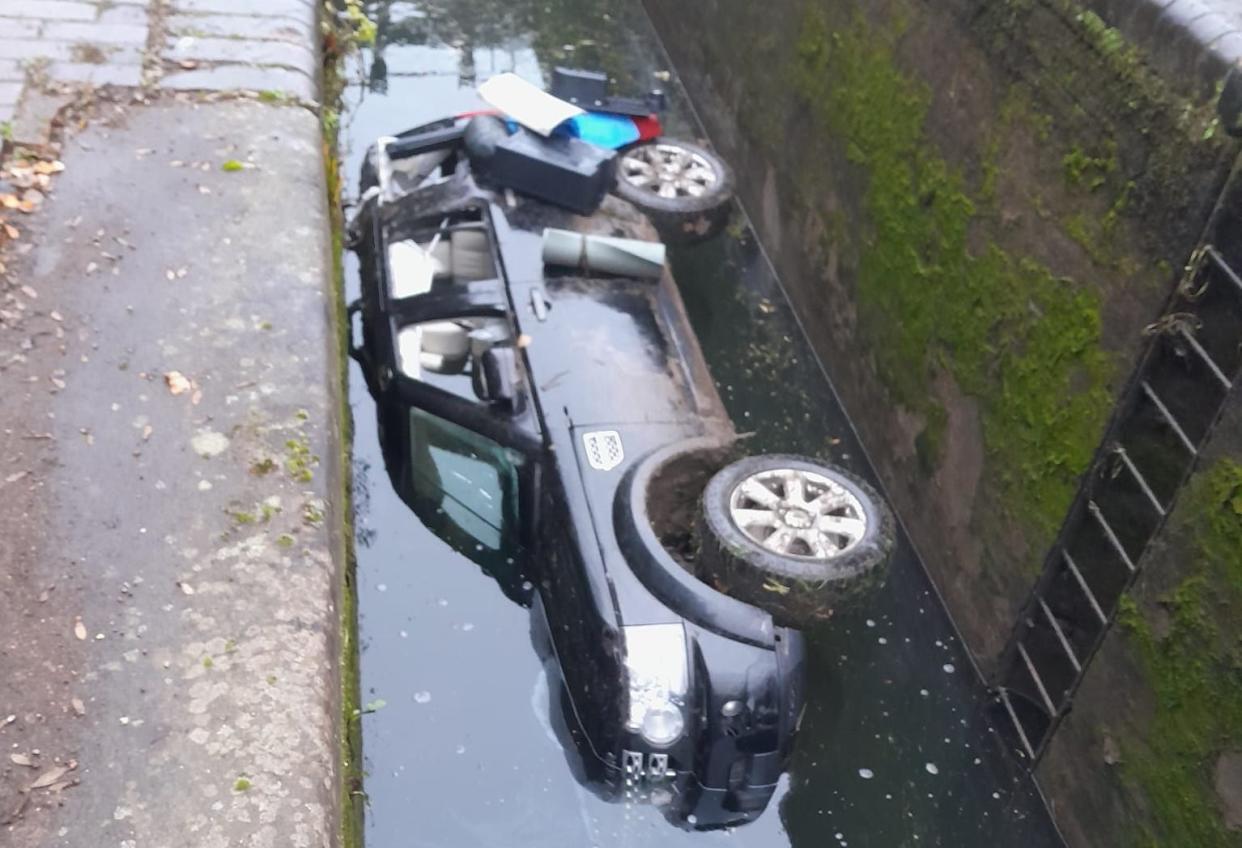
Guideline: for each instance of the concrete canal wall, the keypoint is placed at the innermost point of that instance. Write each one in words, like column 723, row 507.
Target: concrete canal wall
column 977, row 207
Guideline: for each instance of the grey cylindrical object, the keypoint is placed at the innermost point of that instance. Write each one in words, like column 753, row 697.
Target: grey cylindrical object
column 624, row 257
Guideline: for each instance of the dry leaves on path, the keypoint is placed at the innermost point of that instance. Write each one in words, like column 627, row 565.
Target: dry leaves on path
column 52, row 775
column 26, row 180
column 177, row 382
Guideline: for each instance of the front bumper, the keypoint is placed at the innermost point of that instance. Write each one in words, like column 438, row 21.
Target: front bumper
column 683, row 800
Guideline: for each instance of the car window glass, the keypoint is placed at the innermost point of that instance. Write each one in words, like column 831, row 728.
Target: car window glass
column 475, row 480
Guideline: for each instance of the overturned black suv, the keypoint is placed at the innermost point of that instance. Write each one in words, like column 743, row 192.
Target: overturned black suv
column 571, row 412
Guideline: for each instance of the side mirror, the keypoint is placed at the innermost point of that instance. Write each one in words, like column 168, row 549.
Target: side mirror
column 495, row 377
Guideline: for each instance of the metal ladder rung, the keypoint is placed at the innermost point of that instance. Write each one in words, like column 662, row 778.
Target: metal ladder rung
column 1225, row 382
column 1095, row 511
column 1169, row 419
column 1139, row 478
column 1086, row 590
column 1219, row 262
column 1017, row 723
column 1065, row 644
column 1039, row 681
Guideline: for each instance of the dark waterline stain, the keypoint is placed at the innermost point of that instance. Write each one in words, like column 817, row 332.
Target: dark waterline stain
column 894, row 749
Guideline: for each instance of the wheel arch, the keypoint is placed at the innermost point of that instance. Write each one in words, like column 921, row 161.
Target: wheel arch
column 670, row 582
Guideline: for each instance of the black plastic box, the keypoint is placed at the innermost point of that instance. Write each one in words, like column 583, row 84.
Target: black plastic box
column 561, row 170
column 589, row 90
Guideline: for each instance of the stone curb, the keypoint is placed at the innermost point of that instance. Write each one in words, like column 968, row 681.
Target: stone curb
column 265, row 46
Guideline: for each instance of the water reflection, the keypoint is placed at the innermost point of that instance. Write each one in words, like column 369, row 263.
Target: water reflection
column 580, row 32
column 463, row 756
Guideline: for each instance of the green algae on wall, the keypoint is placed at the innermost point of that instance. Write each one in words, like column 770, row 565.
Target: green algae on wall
column 1194, row 671
column 1021, row 340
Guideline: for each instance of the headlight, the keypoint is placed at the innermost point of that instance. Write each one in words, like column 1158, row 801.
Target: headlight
column 663, row 725
column 655, row 660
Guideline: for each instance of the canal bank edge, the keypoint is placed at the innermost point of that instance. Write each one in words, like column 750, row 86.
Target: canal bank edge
column 1059, row 171
column 344, row 35
column 184, row 556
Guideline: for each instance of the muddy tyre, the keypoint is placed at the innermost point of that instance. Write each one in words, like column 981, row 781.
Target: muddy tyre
column 686, row 190
column 795, row 537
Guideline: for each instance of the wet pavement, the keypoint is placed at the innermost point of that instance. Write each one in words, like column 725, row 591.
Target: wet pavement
column 460, row 749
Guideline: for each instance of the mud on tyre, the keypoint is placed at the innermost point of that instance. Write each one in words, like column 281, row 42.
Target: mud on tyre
column 793, row 536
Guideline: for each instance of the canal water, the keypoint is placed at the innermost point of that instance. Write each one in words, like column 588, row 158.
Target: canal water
column 459, row 743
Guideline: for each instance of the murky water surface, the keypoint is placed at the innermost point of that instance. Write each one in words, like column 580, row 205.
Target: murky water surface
column 894, row 749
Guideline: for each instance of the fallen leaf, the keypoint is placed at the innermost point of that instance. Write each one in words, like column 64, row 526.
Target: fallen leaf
column 53, row 167
column 56, row 316
column 12, row 231
column 50, row 776
column 188, row 64
column 232, row 166
column 13, row 478
column 30, row 293
column 146, row 432
column 177, row 382
column 79, row 629
column 78, row 706
column 196, row 397
column 186, row 588
column 774, row 586
column 22, row 760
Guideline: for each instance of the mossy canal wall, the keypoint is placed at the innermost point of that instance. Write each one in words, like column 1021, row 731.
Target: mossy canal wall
column 977, row 206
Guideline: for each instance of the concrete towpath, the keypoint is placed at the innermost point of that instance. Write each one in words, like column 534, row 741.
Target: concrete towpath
column 170, row 475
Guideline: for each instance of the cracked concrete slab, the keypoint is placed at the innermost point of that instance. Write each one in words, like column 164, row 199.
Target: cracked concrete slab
column 170, row 558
